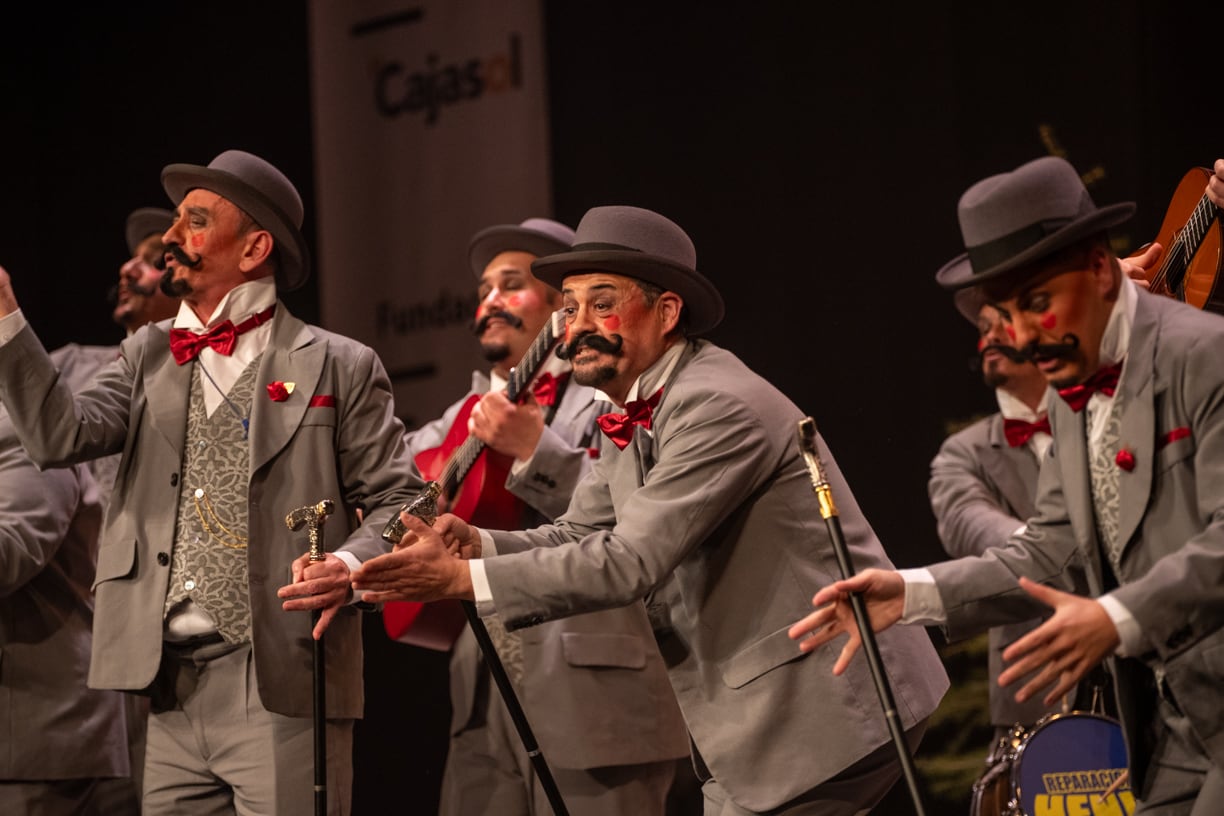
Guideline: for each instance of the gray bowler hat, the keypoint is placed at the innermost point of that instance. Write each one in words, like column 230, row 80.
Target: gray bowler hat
column 639, row 244
column 146, row 221
column 539, row 236
column 1014, row 219
column 261, row 191
column 969, row 302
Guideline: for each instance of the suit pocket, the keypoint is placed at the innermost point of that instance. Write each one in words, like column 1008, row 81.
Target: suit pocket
column 324, row 415
column 766, row 654
column 115, row 561
column 1173, row 452
column 603, row 650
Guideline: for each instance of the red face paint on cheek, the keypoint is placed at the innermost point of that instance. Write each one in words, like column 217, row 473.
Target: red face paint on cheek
column 1048, row 321
column 197, row 241
column 982, row 343
column 514, row 300
column 612, row 322
column 1011, row 332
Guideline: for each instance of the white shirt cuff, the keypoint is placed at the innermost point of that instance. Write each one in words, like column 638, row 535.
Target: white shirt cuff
column 10, row 325
column 480, row 587
column 1130, row 636
column 922, row 602
column 352, row 562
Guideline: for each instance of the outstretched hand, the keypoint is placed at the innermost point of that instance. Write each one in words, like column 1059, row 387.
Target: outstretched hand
column 883, row 592
column 1063, row 649
column 423, row 567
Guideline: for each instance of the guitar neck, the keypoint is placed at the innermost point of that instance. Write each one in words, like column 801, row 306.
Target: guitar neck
column 464, row 457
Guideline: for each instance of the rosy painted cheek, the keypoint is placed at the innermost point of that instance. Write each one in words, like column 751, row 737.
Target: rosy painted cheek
column 1011, row 333
column 981, row 343
column 197, row 241
column 1048, row 321
column 515, row 301
column 612, row 322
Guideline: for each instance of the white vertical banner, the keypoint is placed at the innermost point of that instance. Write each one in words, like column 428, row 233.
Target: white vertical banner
column 430, row 123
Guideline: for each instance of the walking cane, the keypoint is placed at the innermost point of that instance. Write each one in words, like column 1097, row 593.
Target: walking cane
column 314, row 517
column 425, row 507
column 828, row 511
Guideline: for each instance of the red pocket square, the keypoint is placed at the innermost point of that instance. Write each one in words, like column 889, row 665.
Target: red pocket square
column 1172, row 436
column 322, row 401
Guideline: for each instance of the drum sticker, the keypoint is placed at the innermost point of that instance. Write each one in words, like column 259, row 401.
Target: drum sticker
column 1072, row 765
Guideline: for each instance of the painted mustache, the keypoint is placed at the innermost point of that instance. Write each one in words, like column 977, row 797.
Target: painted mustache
column 478, row 327
column 1010, row 352
column 591, row 340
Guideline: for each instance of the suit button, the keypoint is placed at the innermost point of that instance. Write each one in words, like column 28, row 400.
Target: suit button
column 163, row 559
column 174, row 480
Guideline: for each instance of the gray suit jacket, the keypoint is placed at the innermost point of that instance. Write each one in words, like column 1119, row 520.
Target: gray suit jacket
column 1171, row 520
column 981, row 492
column 49, row 525
column 595, row 689
column 347, row 446
column 715, row 517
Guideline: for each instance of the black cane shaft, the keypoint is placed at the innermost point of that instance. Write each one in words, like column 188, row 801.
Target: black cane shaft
column 872, row 651
column 516, row 710
column 320, row 723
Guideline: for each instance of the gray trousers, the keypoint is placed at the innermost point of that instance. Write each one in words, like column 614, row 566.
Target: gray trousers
column 1181, row 780
column 217, row 750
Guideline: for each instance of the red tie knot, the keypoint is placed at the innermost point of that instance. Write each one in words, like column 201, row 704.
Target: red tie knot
column 1018, row 431
column 619, row 427
column 1104, row 380
column 186, row 345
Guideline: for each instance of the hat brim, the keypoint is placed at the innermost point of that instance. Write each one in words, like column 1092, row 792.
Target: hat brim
column 959, row 273
column 294, row 267
column 144, row 222
column 705, row 304
column 493, row 241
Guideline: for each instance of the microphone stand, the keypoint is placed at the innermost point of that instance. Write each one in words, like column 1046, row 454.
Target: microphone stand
column 424, row 507
column 828, row 511
column 313, row 517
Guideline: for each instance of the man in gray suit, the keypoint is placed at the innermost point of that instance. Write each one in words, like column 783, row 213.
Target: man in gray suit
column 703, row 501
column 984, row 478
column 227, row 420
column 593, row 686
column 1130, row 500
column 49, row 526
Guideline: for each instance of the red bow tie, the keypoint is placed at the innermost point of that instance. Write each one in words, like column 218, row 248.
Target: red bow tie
column 619, row 427
column 546, row 387
column 186, row 345
column 1018, row 431
column 1105, row 381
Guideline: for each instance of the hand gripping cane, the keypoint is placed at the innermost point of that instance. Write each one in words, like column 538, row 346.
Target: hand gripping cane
column 313, row 518
column 425, row 507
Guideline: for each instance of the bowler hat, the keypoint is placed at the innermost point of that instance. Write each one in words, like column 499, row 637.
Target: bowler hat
column 1015, row 219
column 539, row 236
column 263, row 193
column 640, row 244
column 969, row 302
column 146, row 221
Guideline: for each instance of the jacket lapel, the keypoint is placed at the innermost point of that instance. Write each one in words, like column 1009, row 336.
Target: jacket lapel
column 1013, row 469
column 1138, row 423
column 172, row 384
column 1071, row 450
column 293, row 355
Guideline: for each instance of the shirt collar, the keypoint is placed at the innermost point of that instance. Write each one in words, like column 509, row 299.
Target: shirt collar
column 654, row 377
column 1013, row 408
column 237, row 305
column 1116, row 338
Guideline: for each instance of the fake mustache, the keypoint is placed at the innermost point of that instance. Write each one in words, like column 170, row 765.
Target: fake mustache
column 112, row 294
column 478, row 327
column 182, row 257
column 1051, row 351
column 591, row 340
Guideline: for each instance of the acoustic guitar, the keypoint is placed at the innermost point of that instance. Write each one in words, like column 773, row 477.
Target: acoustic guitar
column 1192, row 238
column 472, row 478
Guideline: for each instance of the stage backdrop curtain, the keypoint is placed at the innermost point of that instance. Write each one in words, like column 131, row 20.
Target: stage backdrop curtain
column 430, row 123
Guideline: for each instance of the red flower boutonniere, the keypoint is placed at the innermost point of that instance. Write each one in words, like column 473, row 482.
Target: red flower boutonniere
column 1125, row 460
column 279, row 391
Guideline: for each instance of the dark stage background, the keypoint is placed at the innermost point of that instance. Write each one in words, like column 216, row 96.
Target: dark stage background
column 814, row 153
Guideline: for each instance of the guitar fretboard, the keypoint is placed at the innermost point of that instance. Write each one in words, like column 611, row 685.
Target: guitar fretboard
column 1187, row 243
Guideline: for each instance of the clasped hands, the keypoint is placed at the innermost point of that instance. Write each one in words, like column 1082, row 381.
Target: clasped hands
column 426, row 565
column 1058, row 653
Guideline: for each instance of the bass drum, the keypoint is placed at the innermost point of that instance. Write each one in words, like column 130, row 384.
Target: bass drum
column 1066, row 764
